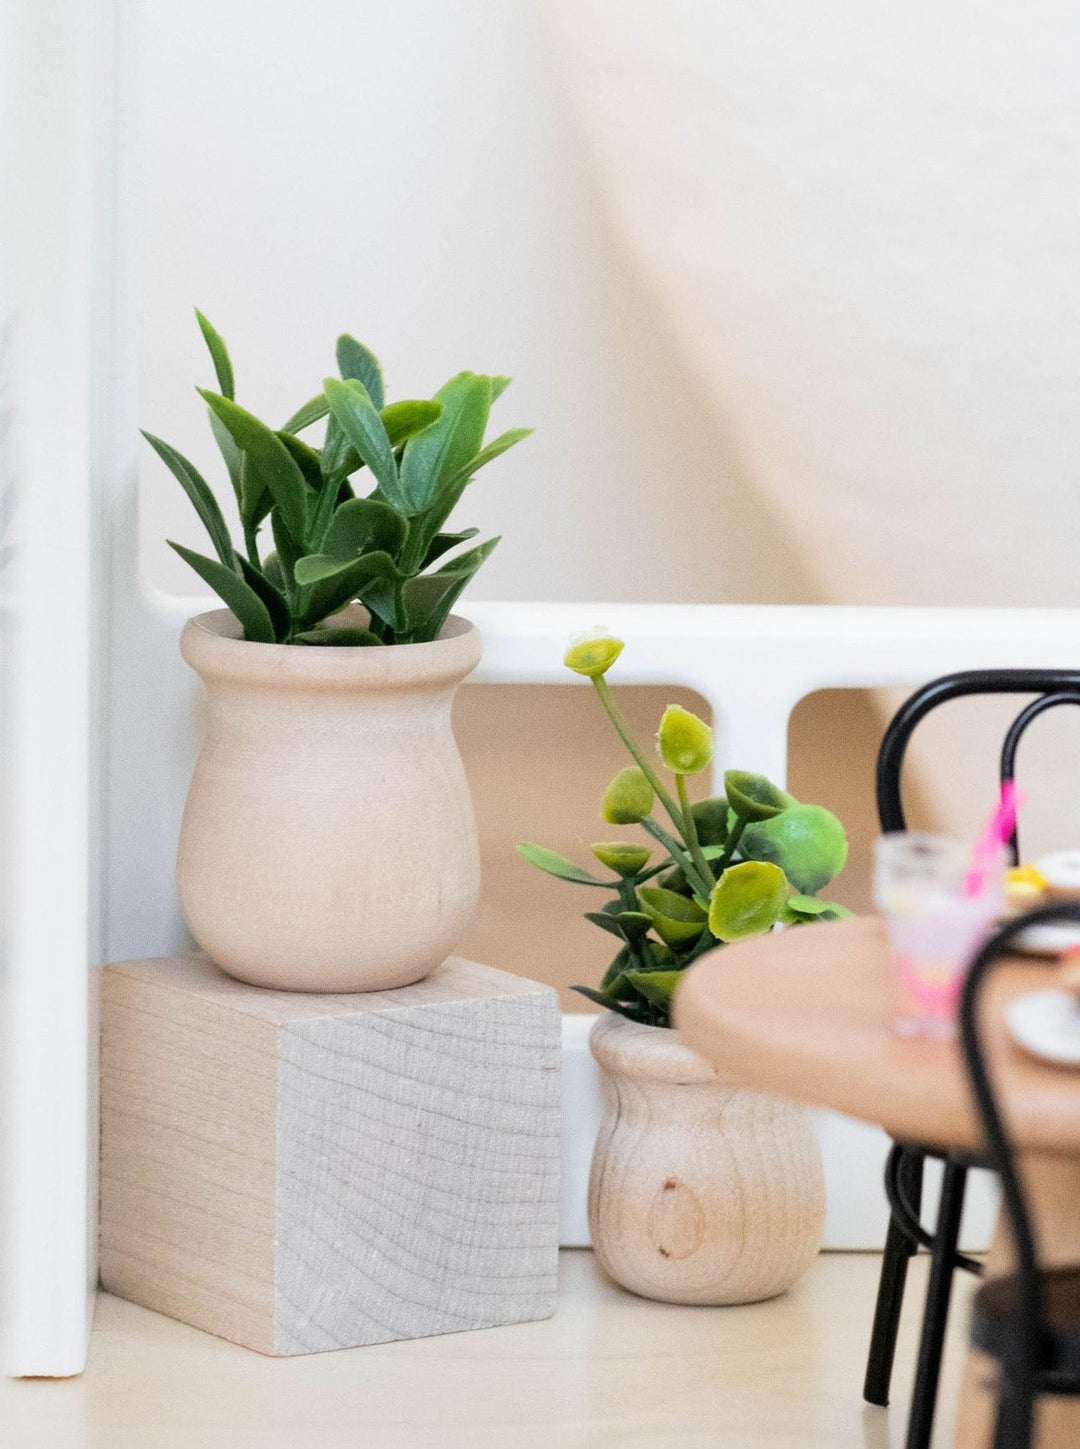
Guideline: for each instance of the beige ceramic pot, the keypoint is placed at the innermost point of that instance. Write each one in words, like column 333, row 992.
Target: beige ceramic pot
column 700, row 1191
column 328, row 841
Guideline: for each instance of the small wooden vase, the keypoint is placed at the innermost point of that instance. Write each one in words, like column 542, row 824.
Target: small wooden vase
column 701, row 1191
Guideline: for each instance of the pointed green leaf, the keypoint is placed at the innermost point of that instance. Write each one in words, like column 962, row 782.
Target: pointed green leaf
column 606, row 923
column 444, row 542
column 499, row 386
column 436, row 456
column 403, row 420
column 555, row 864
column 220, row 356
column 501, row 444
column 230, row 453
column 360, row 423
column 314, row 409
column 270, row 593
column 630, row 1012
column 428, row 598
column 240, row 597
column 314, row 567
column 354, row 360
column 198, row 490
column 270, row 461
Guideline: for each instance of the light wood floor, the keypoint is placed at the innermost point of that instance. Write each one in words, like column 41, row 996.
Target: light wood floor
column 609, row 1369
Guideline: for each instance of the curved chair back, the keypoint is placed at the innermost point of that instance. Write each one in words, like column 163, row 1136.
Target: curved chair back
column 1020, row 1364
column 1054, row 686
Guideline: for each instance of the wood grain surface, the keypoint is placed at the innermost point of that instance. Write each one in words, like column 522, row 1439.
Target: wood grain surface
column 307, row 1172
column 806, row 1013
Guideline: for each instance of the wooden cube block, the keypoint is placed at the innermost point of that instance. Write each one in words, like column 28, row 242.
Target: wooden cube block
column 299, row 1173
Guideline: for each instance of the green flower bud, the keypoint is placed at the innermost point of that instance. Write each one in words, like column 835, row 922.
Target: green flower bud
column 593, row 654
column 622, row 857
column 628, row 799
column 684, row 741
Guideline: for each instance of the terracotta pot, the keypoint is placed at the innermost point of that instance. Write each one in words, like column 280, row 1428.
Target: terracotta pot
column 328, row 841
column 701, row 1191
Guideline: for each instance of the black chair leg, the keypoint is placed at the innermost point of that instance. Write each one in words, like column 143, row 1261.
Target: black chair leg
column 890, row 1298
column 936, row 1312
column 1015, row 1415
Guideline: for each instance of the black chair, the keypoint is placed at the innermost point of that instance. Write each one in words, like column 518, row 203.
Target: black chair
column 904, row 1169
column 1029, row 1320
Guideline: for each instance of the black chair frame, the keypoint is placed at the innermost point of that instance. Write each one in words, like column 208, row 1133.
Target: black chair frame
column 1023, row 1373
column 905, row 1167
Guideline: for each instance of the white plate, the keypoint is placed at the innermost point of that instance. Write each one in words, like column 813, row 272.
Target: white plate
column 1047, row 1024
column 1048, row 940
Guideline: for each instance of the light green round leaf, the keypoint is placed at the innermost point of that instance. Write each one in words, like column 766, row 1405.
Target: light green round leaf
column 678, row 921
column 684, row 741
column 807, row 842
column 657, row 987
column 746, row 900
column 628, row 799
column 621, row 856
column 753, row 797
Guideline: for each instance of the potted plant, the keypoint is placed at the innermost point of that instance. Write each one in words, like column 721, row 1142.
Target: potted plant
column 701, row 1191
column 328, row 841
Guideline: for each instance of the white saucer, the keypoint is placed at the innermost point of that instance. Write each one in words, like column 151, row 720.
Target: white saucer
column 1047, row 1024
column 1048, row 940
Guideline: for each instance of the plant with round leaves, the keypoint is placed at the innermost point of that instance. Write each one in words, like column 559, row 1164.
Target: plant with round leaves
column 729, row 867
column 361, row 517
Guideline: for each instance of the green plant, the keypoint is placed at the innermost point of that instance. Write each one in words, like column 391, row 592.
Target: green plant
column 386, row 549
column 729, row 867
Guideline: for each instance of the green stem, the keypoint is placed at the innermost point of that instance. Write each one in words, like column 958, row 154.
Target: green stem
column 604, row 693
column 251, row 544
column 678, row 854
column 690, row 830
column 733, row 841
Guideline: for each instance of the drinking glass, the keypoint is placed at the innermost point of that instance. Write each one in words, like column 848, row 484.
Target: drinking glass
column 934, row 926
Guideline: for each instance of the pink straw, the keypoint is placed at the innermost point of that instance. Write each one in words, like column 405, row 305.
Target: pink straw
column 998, row 829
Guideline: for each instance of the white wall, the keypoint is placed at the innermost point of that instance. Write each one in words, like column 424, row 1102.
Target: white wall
column 406, row 172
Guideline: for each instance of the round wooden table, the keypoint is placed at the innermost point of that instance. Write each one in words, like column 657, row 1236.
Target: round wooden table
column 805, row 1014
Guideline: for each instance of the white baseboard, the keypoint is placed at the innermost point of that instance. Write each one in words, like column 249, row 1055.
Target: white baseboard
column 853, row 1154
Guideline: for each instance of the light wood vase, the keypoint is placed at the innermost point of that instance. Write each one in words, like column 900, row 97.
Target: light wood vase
column 328, row 841
column 701, row 1191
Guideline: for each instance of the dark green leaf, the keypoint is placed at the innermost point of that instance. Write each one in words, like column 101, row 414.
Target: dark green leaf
column 354, row 360
column 355, row 414
column 753, row 797
column 332, row 594
column 254, row 501
column 198, row 490
column 444, row 542
column 220, row 355
column 306, row 459
column 363, row 524
column 555, row 864
column 354, row 638
column 271, row 461
column 606, row 923
column 429, row 598
column 632, row 1013
column 271, row 595
column 235, row 593
column 434, row 457
column 314, row 567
